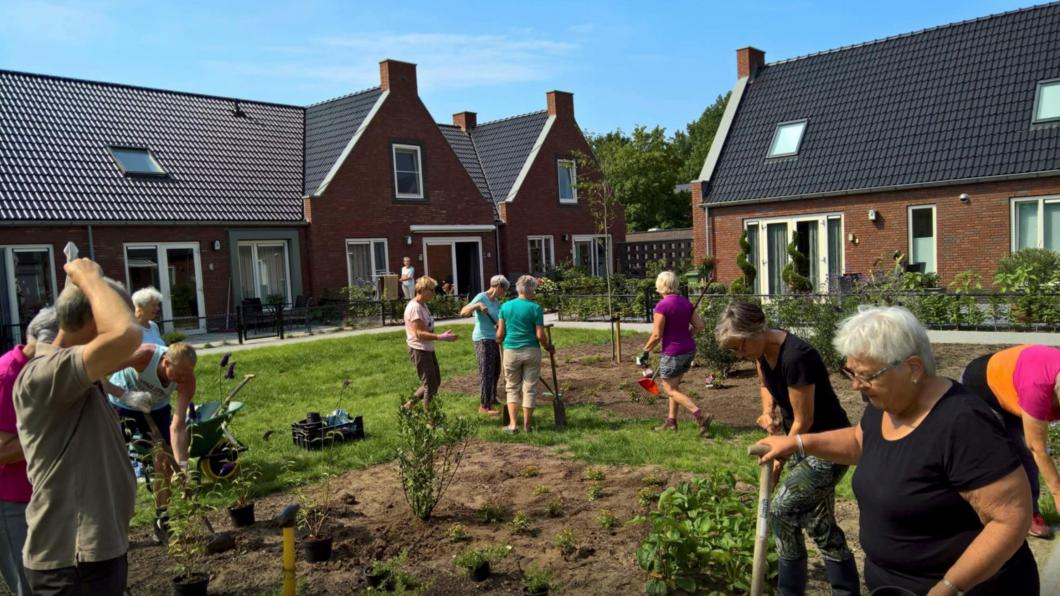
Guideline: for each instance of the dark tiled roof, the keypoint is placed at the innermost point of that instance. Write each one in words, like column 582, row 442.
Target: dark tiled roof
column 943, row 104
column 55, row 163
column 329, row 126
column 461, row 143
column 502, row 147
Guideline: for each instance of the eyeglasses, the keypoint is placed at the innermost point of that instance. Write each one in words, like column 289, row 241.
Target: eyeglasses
column 865, row 379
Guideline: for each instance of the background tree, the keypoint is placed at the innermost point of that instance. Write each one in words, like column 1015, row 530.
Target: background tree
column 693, row 144
column 595, row 190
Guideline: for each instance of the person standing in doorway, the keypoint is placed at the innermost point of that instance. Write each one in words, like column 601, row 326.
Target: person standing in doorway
column 408, row 279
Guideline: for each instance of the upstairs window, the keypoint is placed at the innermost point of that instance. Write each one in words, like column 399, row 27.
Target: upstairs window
column 787, row 138
column 408, row 172
column 568, row 179
column 136, row 162
column 1047, row 101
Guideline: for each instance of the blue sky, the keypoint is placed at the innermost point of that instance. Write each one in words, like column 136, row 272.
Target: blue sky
column 628, row 63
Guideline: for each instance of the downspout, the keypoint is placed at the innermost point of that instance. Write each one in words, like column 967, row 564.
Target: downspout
column 91, row 244
column 497, row 241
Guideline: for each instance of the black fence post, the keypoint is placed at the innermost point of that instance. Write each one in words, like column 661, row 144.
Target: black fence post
column 647, row 305
column 239, row 324
column 279, row 319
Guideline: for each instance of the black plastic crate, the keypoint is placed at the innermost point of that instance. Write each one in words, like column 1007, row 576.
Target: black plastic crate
column 317, row 434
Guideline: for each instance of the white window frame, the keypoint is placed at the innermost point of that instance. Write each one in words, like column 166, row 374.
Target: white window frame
column 560, row 164
column 419, row 170
column 1038, row 89
column 934, row 234
column 441, row 241
column 592, row 262
column 7, row 252
column 371, row 242
column 551, row 251
column 776, row 134
column 1014, row 221
column 254, row 245
column 160, row 249
column 761, row 267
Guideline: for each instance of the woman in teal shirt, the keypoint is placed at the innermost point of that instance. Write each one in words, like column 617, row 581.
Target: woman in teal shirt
column 486, row 307
column 522, row 330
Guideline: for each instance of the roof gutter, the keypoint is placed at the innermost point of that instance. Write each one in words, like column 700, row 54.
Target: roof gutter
column 104, row 223
column 876, row 189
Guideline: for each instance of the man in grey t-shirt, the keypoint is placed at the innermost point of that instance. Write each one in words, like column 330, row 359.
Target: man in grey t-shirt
column 84, row 490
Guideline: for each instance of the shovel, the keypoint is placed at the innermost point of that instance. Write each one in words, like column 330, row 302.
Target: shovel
column 559, row 410
column 765, row 481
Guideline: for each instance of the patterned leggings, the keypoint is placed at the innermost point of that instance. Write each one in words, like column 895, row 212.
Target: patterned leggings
column 489, row 370
column 805, row 500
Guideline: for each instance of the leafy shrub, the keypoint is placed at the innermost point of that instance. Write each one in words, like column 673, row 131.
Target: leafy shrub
column 429, row 454
column 316, row 510
column 567, row 541
column 554, row 508
column 492, row 512
column 1038, row 263
column 794, row 273
column 536, row 580
column 457, row 533
column 243, row 484
column 188, row 534
column 596, row 490
column 702, row 538
column 607, row 519
column 393, row 572
column 521, row 523
column 172, row 337
column 747, row 282
column 646, row 496
column 595, row 474
column 472, row 558
column 540, row 489
column 716, row 358
column 716, row 287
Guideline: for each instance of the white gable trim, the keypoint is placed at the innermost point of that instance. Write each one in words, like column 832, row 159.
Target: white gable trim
column 723, row 131
column 530, row 160
column 353, row 141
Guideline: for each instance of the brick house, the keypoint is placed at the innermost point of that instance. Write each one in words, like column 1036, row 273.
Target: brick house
column 526, row 167
column 943, row 144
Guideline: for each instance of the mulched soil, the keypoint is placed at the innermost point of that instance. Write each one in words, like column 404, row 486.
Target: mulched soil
column 374, row 522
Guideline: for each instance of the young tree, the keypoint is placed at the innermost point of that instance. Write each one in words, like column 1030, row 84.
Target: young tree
column 692, row 145
column 593, row 188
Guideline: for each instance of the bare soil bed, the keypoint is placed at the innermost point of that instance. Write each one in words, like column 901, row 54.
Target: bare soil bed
column 375, row 523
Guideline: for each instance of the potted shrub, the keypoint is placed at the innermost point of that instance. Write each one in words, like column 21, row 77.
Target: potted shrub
column 188, row 536
column 242, row 509
column 475, row 562
column 313, row 517
column 536, row 581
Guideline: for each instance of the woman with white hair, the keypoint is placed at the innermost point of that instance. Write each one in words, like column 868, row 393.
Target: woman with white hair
column 1022, row 384
column 944, row 504
column 674, row 324
column 148, row 302
column 793, row 378
column 486, row 307
column 521, row 330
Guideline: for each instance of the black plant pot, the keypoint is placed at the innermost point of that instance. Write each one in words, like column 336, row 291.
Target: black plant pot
column 242, row 517
column 194, row 584
column 481, row 572
column 527, row 592
column 374, row 579
column 318, row 551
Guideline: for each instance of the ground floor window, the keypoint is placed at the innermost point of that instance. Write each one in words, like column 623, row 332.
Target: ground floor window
column 27, row 278
column 541, row 258
column 265, row 270
column 455, row 263
column 366, row 260
column 1036, row 223
column 175, row 270
column 922, row 245
column 593, row 253
column 819, row 237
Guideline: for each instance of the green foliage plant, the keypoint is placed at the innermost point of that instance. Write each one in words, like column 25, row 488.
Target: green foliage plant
column 595, row 474
column 596, row 490
column 530, row 472
column 173, row 337
column 521, row 523
column 746, row 283
column 457, row 533
column 716, row 358
column 567, row 541
column 607, row 519
column 394, row 575
column 243, row 484
column 492, row 512
column 794, row 272
column 701, row 539
column 317, row 509
column 188, row 534
column 540, row 489
column 429, row 454
column 554, row 508
column 536, row 580
column 473, row 557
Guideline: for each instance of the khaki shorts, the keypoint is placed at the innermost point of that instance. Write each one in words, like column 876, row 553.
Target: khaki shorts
column 522, row 371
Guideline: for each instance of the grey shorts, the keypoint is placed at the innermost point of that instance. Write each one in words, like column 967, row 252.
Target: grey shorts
column 671, row 367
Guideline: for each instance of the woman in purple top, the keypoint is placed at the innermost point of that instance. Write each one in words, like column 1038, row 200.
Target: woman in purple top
column 674, row 322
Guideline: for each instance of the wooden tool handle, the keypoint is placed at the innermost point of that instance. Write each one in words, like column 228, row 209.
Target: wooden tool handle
column 765, row 481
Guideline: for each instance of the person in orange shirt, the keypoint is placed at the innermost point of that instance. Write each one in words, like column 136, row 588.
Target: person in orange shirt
column 1022, row 384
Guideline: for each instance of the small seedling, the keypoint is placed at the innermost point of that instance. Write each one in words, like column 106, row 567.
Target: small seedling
column 521, row 523
column 492, row 512
column 530, row 472
column 596, row 490
column 536, row 580
column 554, row 508
column 457, row 533
column 541, row 489
column 567, row 541
column 607, row 519
column 595, row 475
column 472, row 558
column 647, row 496
column 653, row 480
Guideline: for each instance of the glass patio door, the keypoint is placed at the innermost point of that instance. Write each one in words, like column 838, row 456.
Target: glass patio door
column 29, row 280
column 776, row 256
column 264, row 271
column 175, row 270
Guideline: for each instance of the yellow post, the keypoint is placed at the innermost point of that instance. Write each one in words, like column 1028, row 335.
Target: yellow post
column 288, row 550
column 288, row 583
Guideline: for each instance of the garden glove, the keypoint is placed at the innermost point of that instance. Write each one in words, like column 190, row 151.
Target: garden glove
column 642, row 360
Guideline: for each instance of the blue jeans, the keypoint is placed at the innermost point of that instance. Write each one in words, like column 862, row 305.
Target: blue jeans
column 12, row 537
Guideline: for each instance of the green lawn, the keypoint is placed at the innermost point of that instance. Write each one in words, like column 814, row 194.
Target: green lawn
column 298, row 378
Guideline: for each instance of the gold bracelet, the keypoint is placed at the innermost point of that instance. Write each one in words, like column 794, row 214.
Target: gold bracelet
column 952, row 587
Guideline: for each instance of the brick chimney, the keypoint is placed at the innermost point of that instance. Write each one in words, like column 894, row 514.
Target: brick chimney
column 397, row 76
column 560, row 104
column 748, row 61
column 465, row 120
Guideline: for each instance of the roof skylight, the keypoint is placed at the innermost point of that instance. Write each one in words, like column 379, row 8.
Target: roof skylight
column 136, row 162
column 787, row 138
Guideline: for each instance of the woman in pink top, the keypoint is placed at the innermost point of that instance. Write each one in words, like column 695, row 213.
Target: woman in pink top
column 420, row 337
column 674, row 323
column 15, row 489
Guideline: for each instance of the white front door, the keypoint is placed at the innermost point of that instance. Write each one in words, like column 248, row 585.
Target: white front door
column 173, row 268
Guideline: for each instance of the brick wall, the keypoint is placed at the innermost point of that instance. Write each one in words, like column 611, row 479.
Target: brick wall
column 360, row 201
column 536, row 209
column 973, row 235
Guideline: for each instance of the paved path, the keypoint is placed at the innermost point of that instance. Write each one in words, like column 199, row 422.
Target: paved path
column 1049, row 567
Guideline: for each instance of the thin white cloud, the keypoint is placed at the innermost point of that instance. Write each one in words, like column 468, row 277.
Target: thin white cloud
column 57, row 22
column 444, row 60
